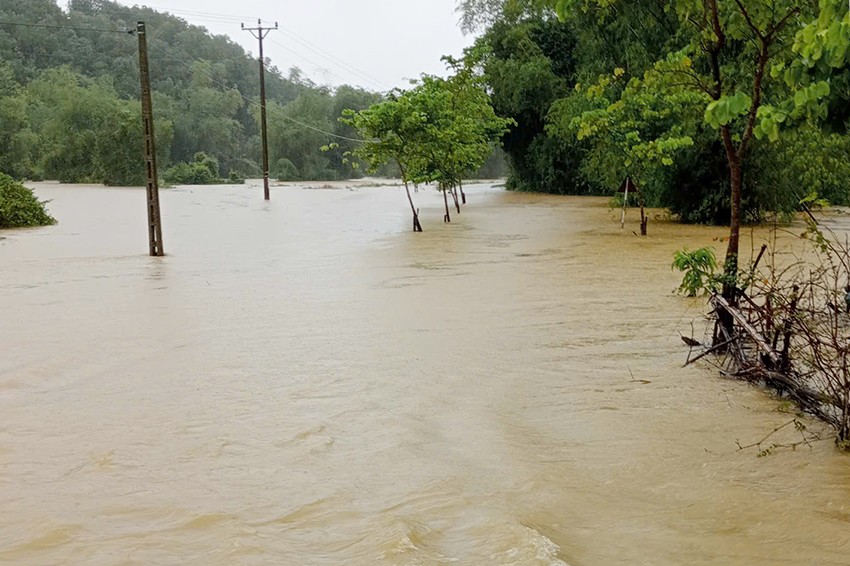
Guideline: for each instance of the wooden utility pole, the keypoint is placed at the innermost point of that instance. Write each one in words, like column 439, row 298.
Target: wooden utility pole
column 260, row 33
column 152, row 184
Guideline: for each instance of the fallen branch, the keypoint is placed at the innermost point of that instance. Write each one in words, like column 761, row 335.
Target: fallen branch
column 711, row 350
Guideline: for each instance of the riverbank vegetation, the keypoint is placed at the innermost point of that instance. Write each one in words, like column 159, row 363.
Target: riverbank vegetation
column 791, row 325
column 692, row 100
column 19, row 208
column 722, row 112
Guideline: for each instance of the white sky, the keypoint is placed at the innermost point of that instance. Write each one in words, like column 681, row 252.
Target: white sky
column 388, row 41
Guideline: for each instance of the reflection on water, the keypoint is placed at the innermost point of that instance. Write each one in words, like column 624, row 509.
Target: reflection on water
column 304, row 381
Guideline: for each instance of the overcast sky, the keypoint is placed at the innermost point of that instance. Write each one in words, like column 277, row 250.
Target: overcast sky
column 376, row 44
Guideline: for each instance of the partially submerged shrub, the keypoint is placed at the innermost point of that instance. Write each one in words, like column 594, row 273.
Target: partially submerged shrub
column 19, row 207
column 203, row 170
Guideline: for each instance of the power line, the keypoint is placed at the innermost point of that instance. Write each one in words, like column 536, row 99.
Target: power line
column 318, row 65
column 50, row 26
column 250, row 101
column 204, row 15
column 327, row 55
column 209, row 76
column 340, row 63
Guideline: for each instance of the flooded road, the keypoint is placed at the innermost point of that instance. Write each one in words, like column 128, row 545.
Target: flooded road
column 307, row 382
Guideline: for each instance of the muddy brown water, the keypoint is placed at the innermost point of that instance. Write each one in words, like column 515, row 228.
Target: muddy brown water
column 306, row 382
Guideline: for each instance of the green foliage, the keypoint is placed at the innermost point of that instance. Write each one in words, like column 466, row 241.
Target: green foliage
column 203, row 170
column 234, row 178
column 438, row 131
column 639, row 134
column 805, row 159
column 285, row 170
column 699, row 268
column 69, row 107
column 727, row 109
column 821, row 69
column 673, row 98
column 529, row 63
column 19, row 207
column 296, row 140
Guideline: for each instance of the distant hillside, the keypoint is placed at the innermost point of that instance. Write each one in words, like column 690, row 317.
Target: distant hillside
column 69, row 99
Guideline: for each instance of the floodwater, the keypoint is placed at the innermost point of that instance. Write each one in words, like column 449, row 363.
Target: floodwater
column 307, row 382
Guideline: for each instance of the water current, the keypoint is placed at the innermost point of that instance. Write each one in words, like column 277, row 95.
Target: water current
column 308, row 382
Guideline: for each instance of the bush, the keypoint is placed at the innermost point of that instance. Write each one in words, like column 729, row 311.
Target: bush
column 19, row 207
column 202, row 171
column 285, row 170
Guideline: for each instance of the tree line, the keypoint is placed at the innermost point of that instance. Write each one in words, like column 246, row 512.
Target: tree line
column 69, row 101
column 667, row 91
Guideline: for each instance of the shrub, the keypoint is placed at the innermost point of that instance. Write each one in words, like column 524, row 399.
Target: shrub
column 19, row 207
column 285, row 170
column 203, row 170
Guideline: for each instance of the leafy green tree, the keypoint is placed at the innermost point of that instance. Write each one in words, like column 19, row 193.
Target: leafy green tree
column 636, row 135
column 207, row 118
column 297, row 133
column 436, row 132
column 460, row 129
column 391, row 130
column 529, row 63
column 724, row 52
column 17, row 141
column 72, row 112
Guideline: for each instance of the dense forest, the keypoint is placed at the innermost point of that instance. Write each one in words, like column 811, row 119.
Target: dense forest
column 651, row 89
column 69, row 101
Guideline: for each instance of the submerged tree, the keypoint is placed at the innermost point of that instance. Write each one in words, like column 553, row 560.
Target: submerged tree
column 435, row 132
column 722, row 55
column 390, row 130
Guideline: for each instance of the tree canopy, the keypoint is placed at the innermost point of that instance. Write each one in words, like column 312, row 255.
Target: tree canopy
column 438, row 131
column 692, row 98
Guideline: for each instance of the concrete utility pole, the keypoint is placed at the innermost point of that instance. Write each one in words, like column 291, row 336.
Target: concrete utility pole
column 260, row 33
column 152, row 184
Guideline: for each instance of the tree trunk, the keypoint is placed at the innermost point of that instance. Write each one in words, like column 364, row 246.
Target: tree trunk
column 462, row 194
column 736, row 178
column 447, row 217
column 417, row 227
column 730, row 265
column 454, row 196
column 643, row 219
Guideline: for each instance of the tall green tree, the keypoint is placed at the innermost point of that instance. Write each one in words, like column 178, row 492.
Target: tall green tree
column 436, row 132
column 391, row 130
column 724, row 52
